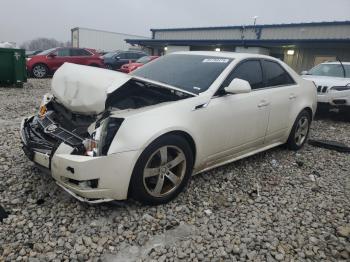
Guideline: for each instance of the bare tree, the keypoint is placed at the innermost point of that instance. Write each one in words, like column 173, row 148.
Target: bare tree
column 43, row 44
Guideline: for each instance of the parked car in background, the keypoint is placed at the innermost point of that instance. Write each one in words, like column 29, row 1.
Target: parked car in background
column 115, row 60
column 127, row 68
column 32, row 53
column 48, row 61
column 333, row 84
column 142, row 135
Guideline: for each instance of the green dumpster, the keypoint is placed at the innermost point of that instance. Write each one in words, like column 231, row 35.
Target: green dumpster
column 12, row 67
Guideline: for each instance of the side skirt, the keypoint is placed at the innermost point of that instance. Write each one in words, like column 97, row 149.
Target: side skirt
column 250, row 153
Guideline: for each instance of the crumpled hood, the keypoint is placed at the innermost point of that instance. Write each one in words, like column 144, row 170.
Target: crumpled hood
column 327, row 81
column 84, row 89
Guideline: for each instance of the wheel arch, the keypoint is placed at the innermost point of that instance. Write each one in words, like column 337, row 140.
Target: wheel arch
column 188, row 138
column 309, row 110
column 306, row 108
column 180, row 133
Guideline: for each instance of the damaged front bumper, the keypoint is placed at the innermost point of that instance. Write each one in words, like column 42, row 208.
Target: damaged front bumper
column 89, row 179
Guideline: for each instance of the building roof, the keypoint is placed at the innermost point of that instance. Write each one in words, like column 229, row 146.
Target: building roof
column 162, row 42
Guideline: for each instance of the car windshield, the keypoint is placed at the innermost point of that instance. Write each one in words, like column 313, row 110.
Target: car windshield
column 193, row 73
column 143, row 60
column 46, row 52
column 334, row 70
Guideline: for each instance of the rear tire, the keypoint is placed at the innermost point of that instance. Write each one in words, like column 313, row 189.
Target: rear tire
column 40, row 71
column 162, row 170
column 300, row 131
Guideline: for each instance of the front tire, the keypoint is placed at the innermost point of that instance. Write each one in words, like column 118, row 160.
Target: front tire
column 162, row 170
column 300, row 131
column 40, row 71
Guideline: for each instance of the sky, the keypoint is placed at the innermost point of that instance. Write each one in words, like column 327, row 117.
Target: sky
column 22, row 20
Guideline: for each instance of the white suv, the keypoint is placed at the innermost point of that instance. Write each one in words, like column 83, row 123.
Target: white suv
column 333, row 84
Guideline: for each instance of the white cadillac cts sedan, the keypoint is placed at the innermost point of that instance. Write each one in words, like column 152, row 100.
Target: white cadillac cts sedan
column 106, row 135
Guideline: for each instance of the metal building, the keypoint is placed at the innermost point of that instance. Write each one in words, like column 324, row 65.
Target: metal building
column 301, row 45
column 100, row 40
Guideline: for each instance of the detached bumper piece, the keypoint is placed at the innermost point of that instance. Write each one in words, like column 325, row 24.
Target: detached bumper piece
column 332, row 145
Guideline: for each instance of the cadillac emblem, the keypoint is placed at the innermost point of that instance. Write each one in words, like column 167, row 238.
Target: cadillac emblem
column 50, row 128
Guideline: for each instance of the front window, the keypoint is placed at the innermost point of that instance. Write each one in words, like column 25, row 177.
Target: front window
column 335, row 70
column 46, row 52
column 193, row 73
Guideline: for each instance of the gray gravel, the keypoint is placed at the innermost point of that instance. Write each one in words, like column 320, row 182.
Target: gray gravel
column 276, row 206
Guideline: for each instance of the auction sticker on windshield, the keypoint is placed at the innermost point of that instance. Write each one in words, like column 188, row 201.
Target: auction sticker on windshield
column 216, row 60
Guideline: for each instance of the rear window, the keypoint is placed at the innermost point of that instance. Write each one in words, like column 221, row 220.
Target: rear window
column 80, row 52
column 276, row 75
column 193, row 73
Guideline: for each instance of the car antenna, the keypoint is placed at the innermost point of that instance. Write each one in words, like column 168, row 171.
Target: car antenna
column 342, row 66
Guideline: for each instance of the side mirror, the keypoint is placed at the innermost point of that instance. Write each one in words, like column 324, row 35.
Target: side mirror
column 304, row 72
column 52, row 55
column 238, row 86
column 117, row 58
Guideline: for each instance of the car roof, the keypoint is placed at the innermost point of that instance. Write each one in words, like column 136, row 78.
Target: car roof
column 224, row 54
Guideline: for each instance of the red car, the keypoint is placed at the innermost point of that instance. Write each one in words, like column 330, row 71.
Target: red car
column 48, row 61
column 127, row 68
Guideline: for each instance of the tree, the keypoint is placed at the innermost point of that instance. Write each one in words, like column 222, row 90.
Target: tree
column 43, row 44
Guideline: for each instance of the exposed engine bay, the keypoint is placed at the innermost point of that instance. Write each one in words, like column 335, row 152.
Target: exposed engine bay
column 137, row 94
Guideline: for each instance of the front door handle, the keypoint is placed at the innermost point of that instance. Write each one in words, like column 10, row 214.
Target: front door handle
column 263, row 103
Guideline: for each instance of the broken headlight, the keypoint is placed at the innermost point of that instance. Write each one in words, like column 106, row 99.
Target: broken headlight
column 108, row 132
column 102, row 137
column 43, row 105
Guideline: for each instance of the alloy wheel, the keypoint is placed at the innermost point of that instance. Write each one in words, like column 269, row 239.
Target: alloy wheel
column 301, row 130
column 164, row 171
column 39, row 71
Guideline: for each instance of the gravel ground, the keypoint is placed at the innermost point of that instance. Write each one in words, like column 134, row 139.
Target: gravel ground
column 275, row 206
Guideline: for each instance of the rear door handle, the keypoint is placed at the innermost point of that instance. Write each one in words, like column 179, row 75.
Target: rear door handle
column 292, row 96
column 263, row 103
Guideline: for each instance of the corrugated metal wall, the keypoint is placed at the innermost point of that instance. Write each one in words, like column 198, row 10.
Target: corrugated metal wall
column 309, row 32
column 268, row 33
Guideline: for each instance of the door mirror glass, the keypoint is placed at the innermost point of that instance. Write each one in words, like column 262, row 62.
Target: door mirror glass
column 238, row 86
